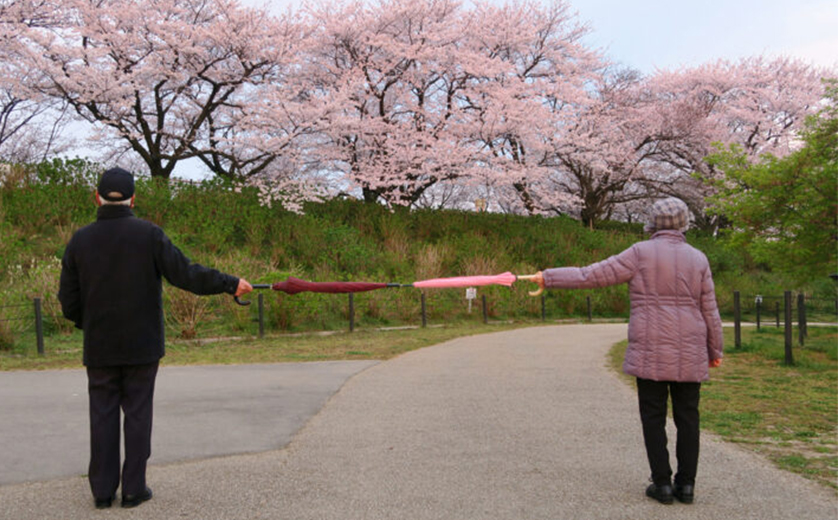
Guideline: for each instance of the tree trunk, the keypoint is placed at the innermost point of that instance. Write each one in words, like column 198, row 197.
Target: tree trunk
column 370, row 195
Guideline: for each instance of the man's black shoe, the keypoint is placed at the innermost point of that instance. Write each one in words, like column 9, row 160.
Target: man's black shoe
column 662, row 494
column 103, row 503
column 685, row 494
column 135, row 500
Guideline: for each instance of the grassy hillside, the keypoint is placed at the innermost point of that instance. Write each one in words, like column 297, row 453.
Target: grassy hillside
column 342, row 240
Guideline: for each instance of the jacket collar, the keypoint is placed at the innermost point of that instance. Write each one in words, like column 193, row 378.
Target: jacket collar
column 111, row 211
column 669, row 234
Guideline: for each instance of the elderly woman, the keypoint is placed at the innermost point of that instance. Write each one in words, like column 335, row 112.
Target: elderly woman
column 674, row 335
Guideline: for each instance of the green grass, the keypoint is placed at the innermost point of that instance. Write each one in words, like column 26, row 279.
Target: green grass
column 789, row 414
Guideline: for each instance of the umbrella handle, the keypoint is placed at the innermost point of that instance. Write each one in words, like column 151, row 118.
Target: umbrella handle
column 530, row 277
column 255, row 286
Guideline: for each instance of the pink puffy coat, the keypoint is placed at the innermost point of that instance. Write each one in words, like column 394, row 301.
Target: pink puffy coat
column 674, row 328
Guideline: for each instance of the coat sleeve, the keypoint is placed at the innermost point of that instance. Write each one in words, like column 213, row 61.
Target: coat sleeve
column 184, row 274
column 611, row 271
column 710, row 313
column 69, row 289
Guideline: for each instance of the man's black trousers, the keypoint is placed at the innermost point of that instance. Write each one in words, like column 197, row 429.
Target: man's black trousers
column 653, row 396
column 130, row 388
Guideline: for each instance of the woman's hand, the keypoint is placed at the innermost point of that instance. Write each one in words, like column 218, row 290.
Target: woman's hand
column 539, row 279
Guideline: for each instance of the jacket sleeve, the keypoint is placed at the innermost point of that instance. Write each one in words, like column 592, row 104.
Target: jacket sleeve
column 184, row 274
column 69, row 290
column 611, row 271
column 710, row 313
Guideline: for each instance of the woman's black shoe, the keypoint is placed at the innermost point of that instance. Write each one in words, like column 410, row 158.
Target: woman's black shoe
column 685, row 494
column 662, row 494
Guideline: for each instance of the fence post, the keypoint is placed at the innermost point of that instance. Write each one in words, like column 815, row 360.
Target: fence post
column 590, row 312
column 424, row 312
column 801, row 318
column 351, row 312
column 543, row 308
column 39, row 326
column 485, row 310
column 759, row 308
column 261, row 316
column 789, row 357
column 737, row 320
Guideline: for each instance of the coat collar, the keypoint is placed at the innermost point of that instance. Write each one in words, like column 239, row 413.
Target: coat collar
column 111, row 211
column 669, row 234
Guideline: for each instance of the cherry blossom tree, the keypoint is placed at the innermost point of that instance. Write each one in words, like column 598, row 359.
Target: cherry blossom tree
column 537, row 73
column 638, row 138
column 168, row 78
column 599, row 157
column 395, row 74
column 435, row 92
column 30, row 128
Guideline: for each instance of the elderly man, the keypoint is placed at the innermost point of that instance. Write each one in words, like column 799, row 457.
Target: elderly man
column 111, row 288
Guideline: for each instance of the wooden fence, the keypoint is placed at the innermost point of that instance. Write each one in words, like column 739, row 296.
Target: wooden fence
column 759, row 310
column 780, row 310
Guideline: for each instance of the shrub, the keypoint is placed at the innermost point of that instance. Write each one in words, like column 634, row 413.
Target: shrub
column 184, row 311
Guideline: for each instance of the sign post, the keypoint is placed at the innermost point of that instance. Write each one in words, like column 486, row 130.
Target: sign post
column 471, row 294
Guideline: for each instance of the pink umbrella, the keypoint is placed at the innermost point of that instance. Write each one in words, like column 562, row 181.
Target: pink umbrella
column 506, row 279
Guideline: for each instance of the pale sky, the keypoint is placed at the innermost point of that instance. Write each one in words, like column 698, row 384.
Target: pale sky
column 649, row 34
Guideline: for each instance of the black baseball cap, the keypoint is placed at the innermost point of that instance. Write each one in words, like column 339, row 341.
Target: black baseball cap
column 116, row 184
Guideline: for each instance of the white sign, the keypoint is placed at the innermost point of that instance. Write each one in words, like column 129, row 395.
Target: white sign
column 758, row 298
column 471, row 293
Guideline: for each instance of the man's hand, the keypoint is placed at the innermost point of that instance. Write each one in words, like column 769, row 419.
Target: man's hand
column 243, row 288
column 715, row 363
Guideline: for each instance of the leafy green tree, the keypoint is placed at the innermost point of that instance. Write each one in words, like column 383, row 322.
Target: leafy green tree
column 785, row 211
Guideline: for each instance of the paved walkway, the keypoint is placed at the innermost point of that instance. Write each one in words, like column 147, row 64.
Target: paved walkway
column 199, row 412
column 525, row 424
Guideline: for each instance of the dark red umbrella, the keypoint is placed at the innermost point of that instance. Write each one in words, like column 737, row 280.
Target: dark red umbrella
column 295, row 285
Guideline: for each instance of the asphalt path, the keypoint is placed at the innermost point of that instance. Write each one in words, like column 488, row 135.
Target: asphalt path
column 525, row 424
column 199, row 412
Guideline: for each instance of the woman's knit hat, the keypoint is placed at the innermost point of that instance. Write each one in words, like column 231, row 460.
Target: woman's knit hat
column 671, row 213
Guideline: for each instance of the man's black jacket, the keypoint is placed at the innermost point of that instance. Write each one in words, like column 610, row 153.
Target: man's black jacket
column 111, row 286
